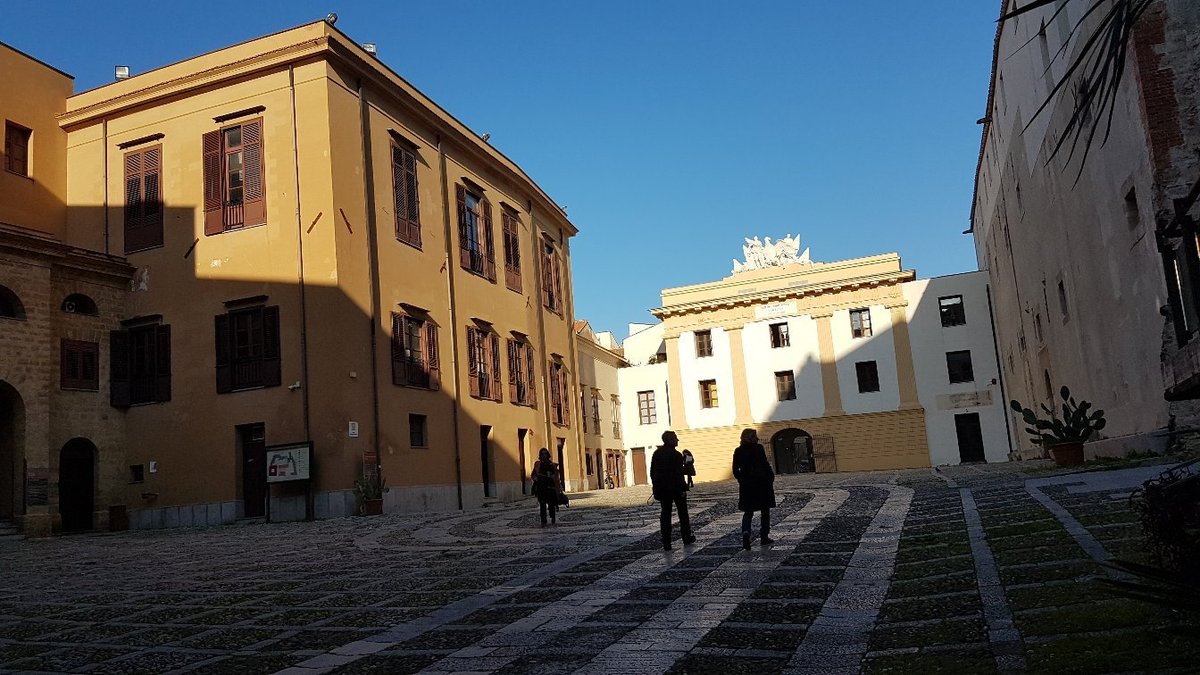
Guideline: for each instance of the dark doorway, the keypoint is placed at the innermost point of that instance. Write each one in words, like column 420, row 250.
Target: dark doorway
column 485, row 459
column 77, row 484
column 793, row 451
column 638, row 457
column 522, row 435
column 970, row 438
column 562, row 471
column 252, row 439
column 12, row 453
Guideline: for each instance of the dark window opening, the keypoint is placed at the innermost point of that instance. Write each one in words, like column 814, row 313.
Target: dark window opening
column 80, row 365
column 785, row 385
column 16, row 148
column 140, row 365
column 78, row 303
column 247, row 342
column 779, row 336
column 137, row 473
column 415, row 361
column 868, row 376
column 958, row 366
column 953, row 311
column 512, row 250
column 704, row 343
column 417, row 436
column 476, row 251
column 10, row 305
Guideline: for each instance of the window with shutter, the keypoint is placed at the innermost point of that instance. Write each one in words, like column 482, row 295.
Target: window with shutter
column 432, row 363
column 234, row 181
column 143, row 199
column 414, row 352
column 551, row 278
column 474, row 232
column 512, row 250
column 80, row 365
column 16, row 148
column 704, row 343
column 708, row 393
column 515, row 385
column 248, row 349
column 140, row 365
column 556, row 394
column 531, row 389
column 404, row 188
column 647, row 411
column 497, row 394
column 785, row 385
column 489, row 243
column 860, row 323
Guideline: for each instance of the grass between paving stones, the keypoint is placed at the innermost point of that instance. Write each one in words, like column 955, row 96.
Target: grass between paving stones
column 914, row 609
column 799, row 591
column 1057, row 595
column 229, row 638
column 1042, row 573
column 1141, row 650
column 776, row 612
column 915, row 552
column 753, row 638
column 818, row 559
column 1023, row 529
column 928, row 568
column 1069, row 550
column 259, row 664
column 942, row 632
column 231, row 615
column 784, row 574
column 696, row 664
column 161, row 635
column 1092, row 616
column 946, row 536
column 1047, row 538
column 149, row 662
column 959, row 581
column 937, row 663
column 66, row 660
column 537, row 594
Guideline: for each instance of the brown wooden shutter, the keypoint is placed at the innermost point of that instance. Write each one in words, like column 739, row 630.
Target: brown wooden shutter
column 162, row 364
column 514, row 370
column 566, row 397
column 473, row 353
column 214, row 196
column 399, row 373
column 118, row 368
column 414, row 199
column 224, row 343
column 489, row 244
column 254, row 195
column 271, row 371
column 558, row 296
column 404, row 187
column 512, row 252
column 431, row 358
column 152, row 210
column 547, row 279
column 464, row 247
column 531, row 375
column 497, row 394
column 399, row 194
column 133, row 200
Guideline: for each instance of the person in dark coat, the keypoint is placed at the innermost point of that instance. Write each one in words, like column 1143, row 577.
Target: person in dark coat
column 689, row 467
column 756, row 490
column 545, row 485
column 666, row 477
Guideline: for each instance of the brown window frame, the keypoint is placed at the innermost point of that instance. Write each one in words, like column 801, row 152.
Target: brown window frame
column 551, row 278
column 512, row 249
column 415, row 361
column 780, row 335
column 140, row 365
column 418, row 439
column 704, row 347
column 867, row 373
column 560, row 398
column 785, row 385
column 862, row 317
column 708, row 394
column 79, row 365
column 477, row 254
column 143, row 199
column 483, row 368
column 221, row 212
column 405, row 196
column 964, row 370
column 521, row 390
column 17, row 138
column 596, row 411
column 616, row 415
column 647, row 408
column 248, row 349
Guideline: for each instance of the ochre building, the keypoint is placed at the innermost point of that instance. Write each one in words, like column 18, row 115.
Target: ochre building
column 283, row 243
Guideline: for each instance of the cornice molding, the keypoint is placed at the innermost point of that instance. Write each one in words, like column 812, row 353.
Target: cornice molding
column 781, row 294
column 57, row 254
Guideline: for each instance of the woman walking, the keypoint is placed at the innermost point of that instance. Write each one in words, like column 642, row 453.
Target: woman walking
column 756, row 490
column 545, row 484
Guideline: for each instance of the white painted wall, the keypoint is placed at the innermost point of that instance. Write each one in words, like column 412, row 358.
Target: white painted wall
column 717, row 367
column 643, row 342
column 930, row 342
column 762, row 361
column 635, row 434
column 879, row 347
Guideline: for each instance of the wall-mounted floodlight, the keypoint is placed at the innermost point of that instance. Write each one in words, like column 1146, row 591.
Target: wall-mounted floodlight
column 122, row 72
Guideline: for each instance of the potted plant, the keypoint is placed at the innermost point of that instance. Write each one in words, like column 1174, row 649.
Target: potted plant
column 369, row 492
column 1063, row 438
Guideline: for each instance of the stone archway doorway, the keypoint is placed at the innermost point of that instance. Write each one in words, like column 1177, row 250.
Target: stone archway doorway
column 77, row 484
column 793, row 451
column 12, row 453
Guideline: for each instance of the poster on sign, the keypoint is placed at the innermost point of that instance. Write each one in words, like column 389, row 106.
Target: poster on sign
column 288, row 462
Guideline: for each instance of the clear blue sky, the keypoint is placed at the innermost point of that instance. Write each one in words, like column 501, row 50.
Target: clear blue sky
column 669, row 130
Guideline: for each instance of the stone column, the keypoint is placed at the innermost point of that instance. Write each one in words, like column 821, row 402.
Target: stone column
column 741, row 390
column 829, row 375
column 675, row 383
column 906, row 374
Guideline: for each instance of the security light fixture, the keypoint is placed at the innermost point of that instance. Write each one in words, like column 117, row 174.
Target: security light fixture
column 122, row 72
column 369, row 47
column 331, row 18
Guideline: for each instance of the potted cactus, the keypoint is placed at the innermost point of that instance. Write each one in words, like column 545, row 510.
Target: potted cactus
column 1063, row 438
column 370, row 493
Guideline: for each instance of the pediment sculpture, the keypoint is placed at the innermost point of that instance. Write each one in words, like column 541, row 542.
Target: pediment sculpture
column 762, row 254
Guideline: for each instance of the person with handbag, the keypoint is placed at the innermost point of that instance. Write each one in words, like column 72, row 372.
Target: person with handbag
column 689, row 467
column 545, row 485
column 756, row 489
column 666, row 477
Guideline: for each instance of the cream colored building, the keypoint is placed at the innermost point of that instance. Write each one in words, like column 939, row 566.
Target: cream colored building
column 840, row 366
column 321, row 254
column 601, row 423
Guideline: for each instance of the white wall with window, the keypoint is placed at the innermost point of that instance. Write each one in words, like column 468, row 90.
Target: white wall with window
column 948, row 316
column 802, row 356
column 718, row 368
column 874, row 324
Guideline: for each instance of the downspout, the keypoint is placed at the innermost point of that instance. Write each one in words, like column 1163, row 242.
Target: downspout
column 300, row 265
column 1000, row 371
column 453, row 319
column 569, row 315
column 541, row 319
column 104, row 132
column 373, row 268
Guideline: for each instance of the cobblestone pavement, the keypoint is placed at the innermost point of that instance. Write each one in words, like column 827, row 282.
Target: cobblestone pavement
column 967, row 569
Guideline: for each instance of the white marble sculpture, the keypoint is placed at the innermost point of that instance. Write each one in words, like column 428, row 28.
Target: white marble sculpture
column 763, row 254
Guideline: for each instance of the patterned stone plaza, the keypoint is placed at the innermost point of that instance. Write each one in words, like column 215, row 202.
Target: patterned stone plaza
column 967, row 569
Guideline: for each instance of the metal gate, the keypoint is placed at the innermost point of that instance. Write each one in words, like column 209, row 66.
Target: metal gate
column 824, row 456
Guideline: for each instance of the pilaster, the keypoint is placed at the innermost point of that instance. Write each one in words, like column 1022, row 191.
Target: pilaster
column 829, row 375
column 675, row 382
column 906, row 375
column 741, row 388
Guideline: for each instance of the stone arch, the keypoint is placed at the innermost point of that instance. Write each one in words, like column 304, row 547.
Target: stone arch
column 792, row 450
column 77, row 484
column 78, row 303
column 12, row 453
column 10, row 305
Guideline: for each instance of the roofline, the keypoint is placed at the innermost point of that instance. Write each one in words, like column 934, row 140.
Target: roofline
column 987, row 116
column 38, row 61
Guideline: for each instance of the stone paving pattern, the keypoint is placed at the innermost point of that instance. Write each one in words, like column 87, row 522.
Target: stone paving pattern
column 966, row 569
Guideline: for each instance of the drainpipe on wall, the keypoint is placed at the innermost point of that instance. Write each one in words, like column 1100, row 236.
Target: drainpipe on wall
column 541, row 320
column 309, row 506
column 573, row 354
column 373, row 264
column 453, row 318
column 1000, row 372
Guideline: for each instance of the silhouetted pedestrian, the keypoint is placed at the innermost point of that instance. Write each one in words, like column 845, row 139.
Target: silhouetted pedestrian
column 756, row 489
column 666, row 477
column 545, row 485
column 689, row 467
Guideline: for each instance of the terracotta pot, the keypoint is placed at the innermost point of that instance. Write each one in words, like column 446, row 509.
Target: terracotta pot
column 373, row 507
column 1067, row 454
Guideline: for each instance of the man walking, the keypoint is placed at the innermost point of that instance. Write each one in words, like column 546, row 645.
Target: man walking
column 666, row 477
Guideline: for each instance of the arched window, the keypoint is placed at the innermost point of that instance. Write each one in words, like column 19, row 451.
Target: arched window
column 10, row 305
column 78, row 303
